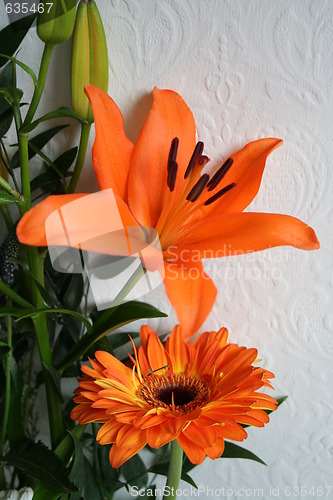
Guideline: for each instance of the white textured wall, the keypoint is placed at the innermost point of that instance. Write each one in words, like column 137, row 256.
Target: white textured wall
column 247, row 69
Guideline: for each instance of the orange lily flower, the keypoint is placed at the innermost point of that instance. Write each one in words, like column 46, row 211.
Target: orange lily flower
column 158, row 183
column 198, row 393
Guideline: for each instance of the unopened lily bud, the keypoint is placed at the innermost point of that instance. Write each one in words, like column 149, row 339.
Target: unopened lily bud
column 55, row 21
column 89, row 57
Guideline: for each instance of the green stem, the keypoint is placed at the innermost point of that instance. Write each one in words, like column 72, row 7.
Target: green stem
column 85, row 131
column 43, row 341
column 7, row 396
column 25, row 174
column 175, row 470
column 48, row 49
column 9, row 189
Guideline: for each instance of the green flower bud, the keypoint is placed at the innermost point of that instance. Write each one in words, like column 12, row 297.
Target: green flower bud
column 55, row 21
column 89, row 57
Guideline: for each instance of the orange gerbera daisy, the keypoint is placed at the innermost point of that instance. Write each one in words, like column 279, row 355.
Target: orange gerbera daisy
column 198, row 393
column 158, row 183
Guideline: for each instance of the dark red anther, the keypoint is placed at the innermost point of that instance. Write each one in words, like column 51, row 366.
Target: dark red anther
column 173, row 151
column 172, row 175
column 220, row 174
column 198, row 188
column 220, row 193
column 197, row 152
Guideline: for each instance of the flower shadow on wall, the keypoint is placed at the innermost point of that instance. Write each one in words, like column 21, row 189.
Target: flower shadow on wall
column 158, row 183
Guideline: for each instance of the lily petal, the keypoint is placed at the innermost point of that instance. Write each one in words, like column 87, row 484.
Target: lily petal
column 246, row 171
column 169, row 117
column 246, row 232
column 77, row 220
column 192, row 294
column 112, row 149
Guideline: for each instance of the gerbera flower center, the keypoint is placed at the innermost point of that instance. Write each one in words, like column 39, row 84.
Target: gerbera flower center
column 177, row 391
column 196, row 192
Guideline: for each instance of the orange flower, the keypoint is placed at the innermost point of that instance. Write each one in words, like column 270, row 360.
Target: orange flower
column 198, row 393
column 158, row 183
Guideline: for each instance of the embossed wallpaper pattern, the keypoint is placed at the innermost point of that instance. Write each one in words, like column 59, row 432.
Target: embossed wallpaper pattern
column 247, row 69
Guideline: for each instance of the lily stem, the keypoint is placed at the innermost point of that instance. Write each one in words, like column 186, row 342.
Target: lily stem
column 48, row 49
column 7, row 396
column 85, row 131
column 175, row 470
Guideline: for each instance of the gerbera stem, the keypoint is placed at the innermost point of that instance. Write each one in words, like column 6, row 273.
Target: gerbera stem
column 175, row 470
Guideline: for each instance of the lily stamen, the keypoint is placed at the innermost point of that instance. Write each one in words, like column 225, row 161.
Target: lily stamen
column 198, row 188
column 220, row 193
column 220, row 174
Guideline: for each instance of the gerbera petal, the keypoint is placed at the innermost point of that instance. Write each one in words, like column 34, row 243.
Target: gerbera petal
column 112, row 149
column 216, row 450
column 231, row 234
column 186, row 286
column 194, row 453
column 119, row 454
column 169, row 117
column 178, row 352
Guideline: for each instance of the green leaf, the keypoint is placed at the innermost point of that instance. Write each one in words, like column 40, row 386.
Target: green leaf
column 22, row 65
column 39, row 141
column 6, row 198
column 232, row 450
column 115, row 317
column 122, row 338
column 107, row 322
column 11, row 94
column 38, row 461
column 135, row 472
column 55, row 310
column 83, row 476
column 4, row 349
column 62, row 112
column 17, row 312
column 54, row 376
column 15, row 430
column 6, row 111
column 12, row 35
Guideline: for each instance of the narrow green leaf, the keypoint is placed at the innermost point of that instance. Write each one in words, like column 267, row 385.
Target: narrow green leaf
column 232, row 450
column 15, row 430
column 122, row 338
column 6, row 111
column 17, row 312
column 38, row 461
column 4, row 349
column 116, row 317
column 55, row 310
column 6, row 198
column 22, row 65
column 53, row 376
column 62, row 112
column 39, row 141
column 12, row 35
column 11, row 94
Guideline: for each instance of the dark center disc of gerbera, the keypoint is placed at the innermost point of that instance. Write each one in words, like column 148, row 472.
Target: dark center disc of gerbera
column 181, row 395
